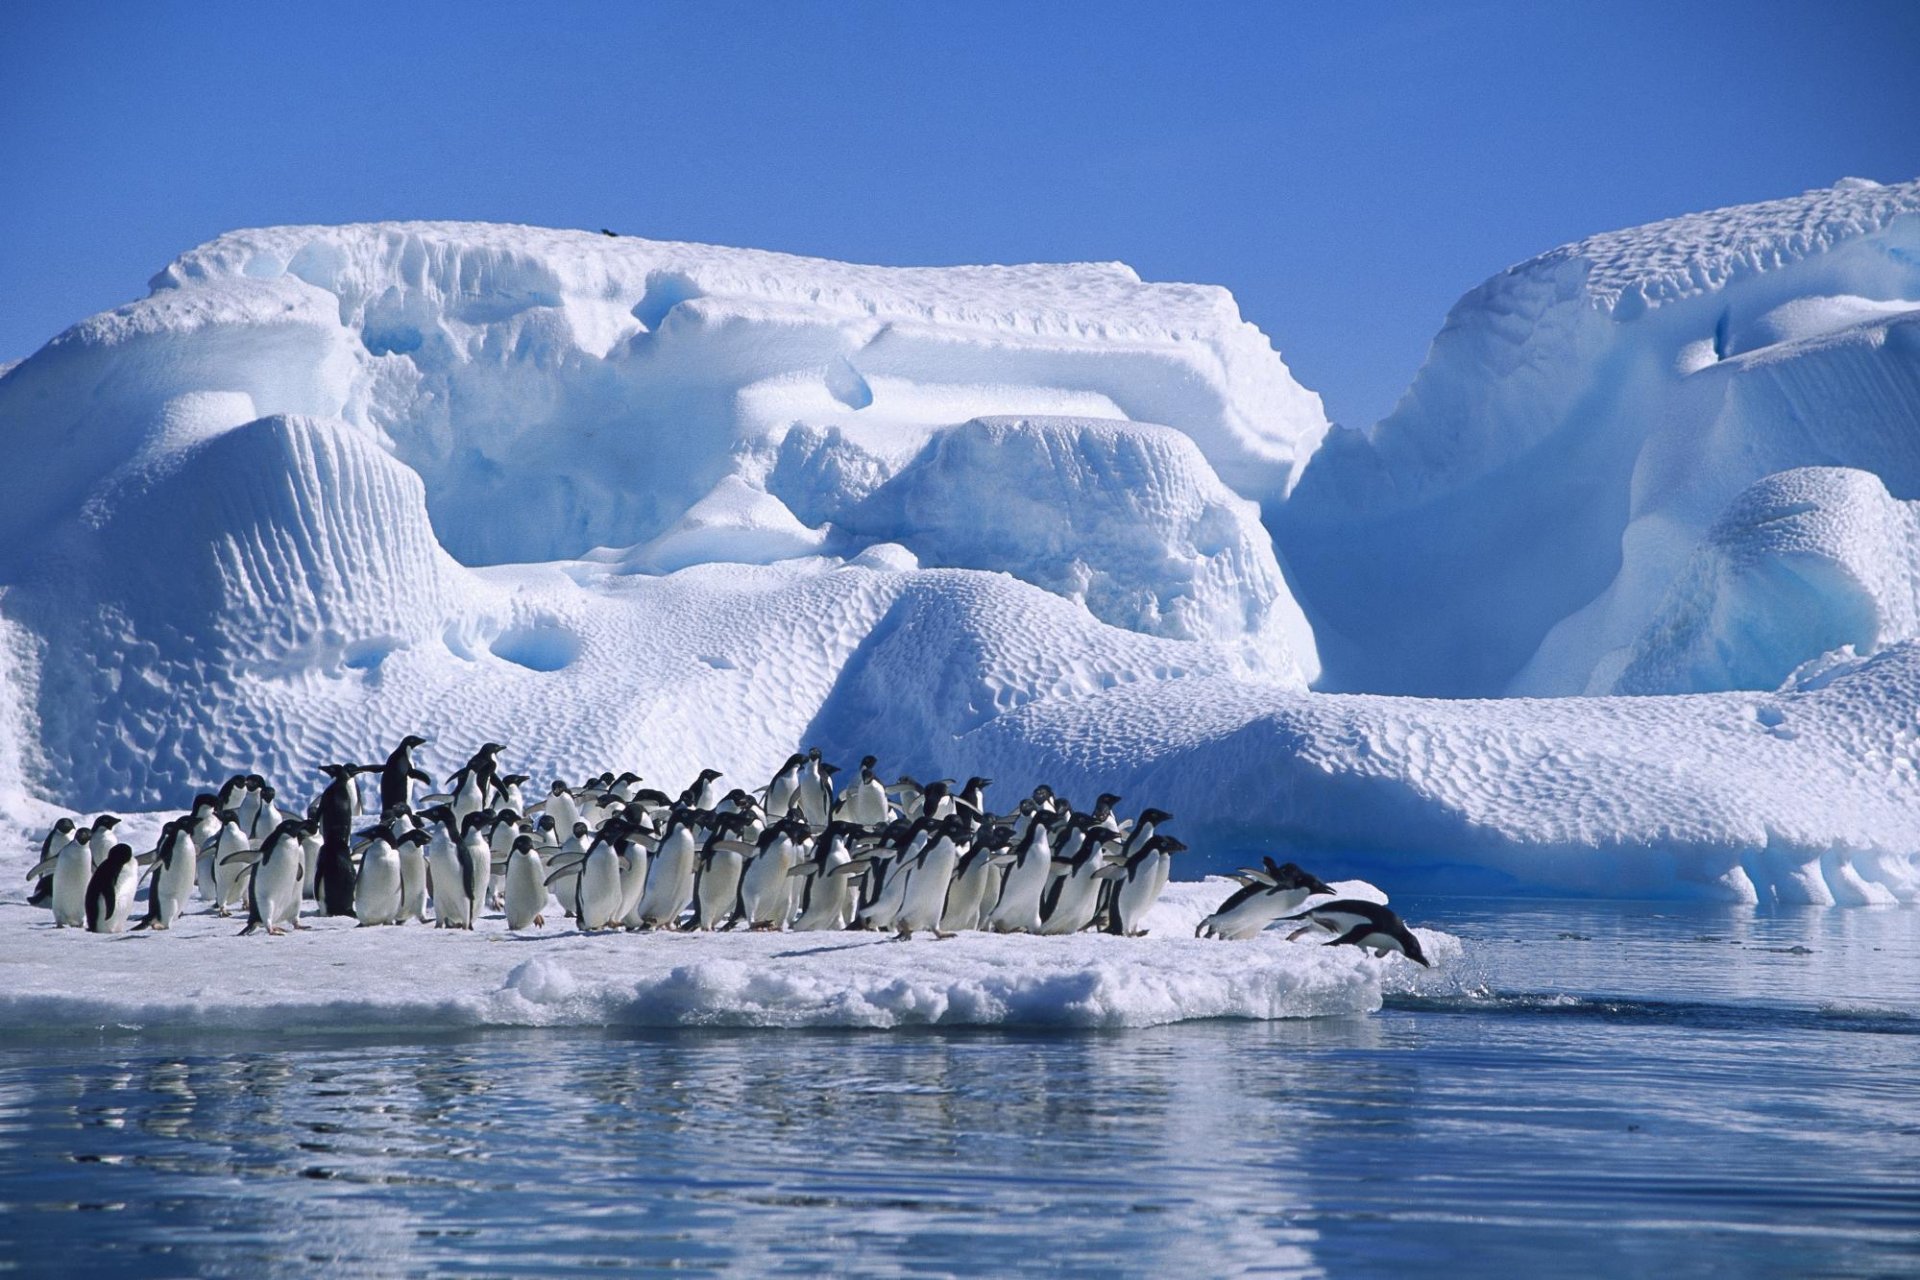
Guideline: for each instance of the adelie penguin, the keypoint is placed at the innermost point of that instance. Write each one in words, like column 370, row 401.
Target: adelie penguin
column 1267, row 894
column 42, row 874
column 399, row 773
column 1366, row 925
column 68, row 869
column 333, row 874
column 175, row 863
column 1144, row 875
column 110, row 891
column 273, row 888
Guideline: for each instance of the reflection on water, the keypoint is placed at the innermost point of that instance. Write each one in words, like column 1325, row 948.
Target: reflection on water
column 1609, row 1090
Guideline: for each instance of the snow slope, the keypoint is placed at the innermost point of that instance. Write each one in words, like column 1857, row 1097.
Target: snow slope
column 1585, row 417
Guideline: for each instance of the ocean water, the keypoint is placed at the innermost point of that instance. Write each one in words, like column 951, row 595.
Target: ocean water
column 1600, row 1089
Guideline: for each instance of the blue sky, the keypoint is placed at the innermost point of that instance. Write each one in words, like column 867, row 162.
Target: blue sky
column 1347, row 170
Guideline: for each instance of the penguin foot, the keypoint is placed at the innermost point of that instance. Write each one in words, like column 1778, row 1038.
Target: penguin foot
column 539, row 922
column 943, row 937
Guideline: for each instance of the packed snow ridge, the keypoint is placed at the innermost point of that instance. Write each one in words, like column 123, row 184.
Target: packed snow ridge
column 650, row 503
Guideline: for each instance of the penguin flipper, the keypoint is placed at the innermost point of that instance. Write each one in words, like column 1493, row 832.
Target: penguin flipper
column 43, row 868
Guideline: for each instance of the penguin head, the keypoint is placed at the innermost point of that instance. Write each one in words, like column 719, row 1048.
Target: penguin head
column 1166, row 844
column 83, row 835
column 1105, row 803
column 1155, row 816
column 413, row 740
column 205, row 802
column 708, row 775
column 867, row 763
column 514, row 779
column 794, row 761
column 64, row 825
column 522, row 844
column 121, row 854
column 1291, row 876
column 829, row 769
column 106, row 820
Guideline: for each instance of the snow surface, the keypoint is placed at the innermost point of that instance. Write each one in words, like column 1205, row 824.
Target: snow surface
column 1581, row 422
column 636, row 505
column 336, row 977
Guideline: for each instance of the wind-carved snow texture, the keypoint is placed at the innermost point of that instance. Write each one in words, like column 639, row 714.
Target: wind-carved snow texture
column 1804, row 563
column 1585, row 417
column 651, row 506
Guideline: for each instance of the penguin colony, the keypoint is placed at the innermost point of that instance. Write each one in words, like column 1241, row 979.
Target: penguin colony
column 905, row 858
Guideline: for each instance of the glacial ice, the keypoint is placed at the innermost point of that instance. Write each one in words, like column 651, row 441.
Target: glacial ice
column 627, row 504
column 1581, row 421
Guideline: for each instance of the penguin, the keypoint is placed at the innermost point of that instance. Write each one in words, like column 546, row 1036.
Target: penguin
column 785, row 787
column 413, row 864
column 110, row 891
column 473, row 782
column 766, row 886
column 716, row 883
column 826, row 879
column 67, row 867
column 229, row 872
column 597, row 891
column 500, row 839
column 338, row 805
column 560, row 805
column 56, row 840
column 865, row 800
column 1070, row 903
column 377, row 887
column 892, row 865
column 203, row 825
column 1366, row 925
column 670, row 881
column 924, row 883
column 175, row 860
column 1018, row 910
column 974, row 794
column 1144, row 875
column 702, row 793
column 399, row 773
column 101, row 839
column 273, row 888
column 456, row 867
column 1266, row 895
column 563, row 868
column 629, row 838
column 526, row 892
column 815, row 793
column 247, row 804
column 966, row 896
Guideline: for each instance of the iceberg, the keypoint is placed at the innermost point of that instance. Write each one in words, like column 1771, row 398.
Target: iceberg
column 636, row 505
column 1584, row 418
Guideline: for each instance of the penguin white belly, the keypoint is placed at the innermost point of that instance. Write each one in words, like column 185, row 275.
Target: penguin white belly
column 377, row 890
column 598, row 894
column 633, row 885
column 526, row 893
column 275, row 885
column 413, row 883
column 866, row 804
column 670, row 881
column 826, row 902
column 71, row 871
column 885, row 908
column 1139, row 891
column 229, row 878
column 963, row 899
column 1248, row 918
column 926, row 890
column 717, row 888
column 172, row 886
column 452, row 908
column 763, row 887
column 1079, row 899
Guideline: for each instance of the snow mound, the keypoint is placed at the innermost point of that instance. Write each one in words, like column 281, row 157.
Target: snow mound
column 558, row 391
column 1125, row 518
column 1802, row 563
column 1585, row 417
column 735, row 523
column 200, row 976
column 1809, row 795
